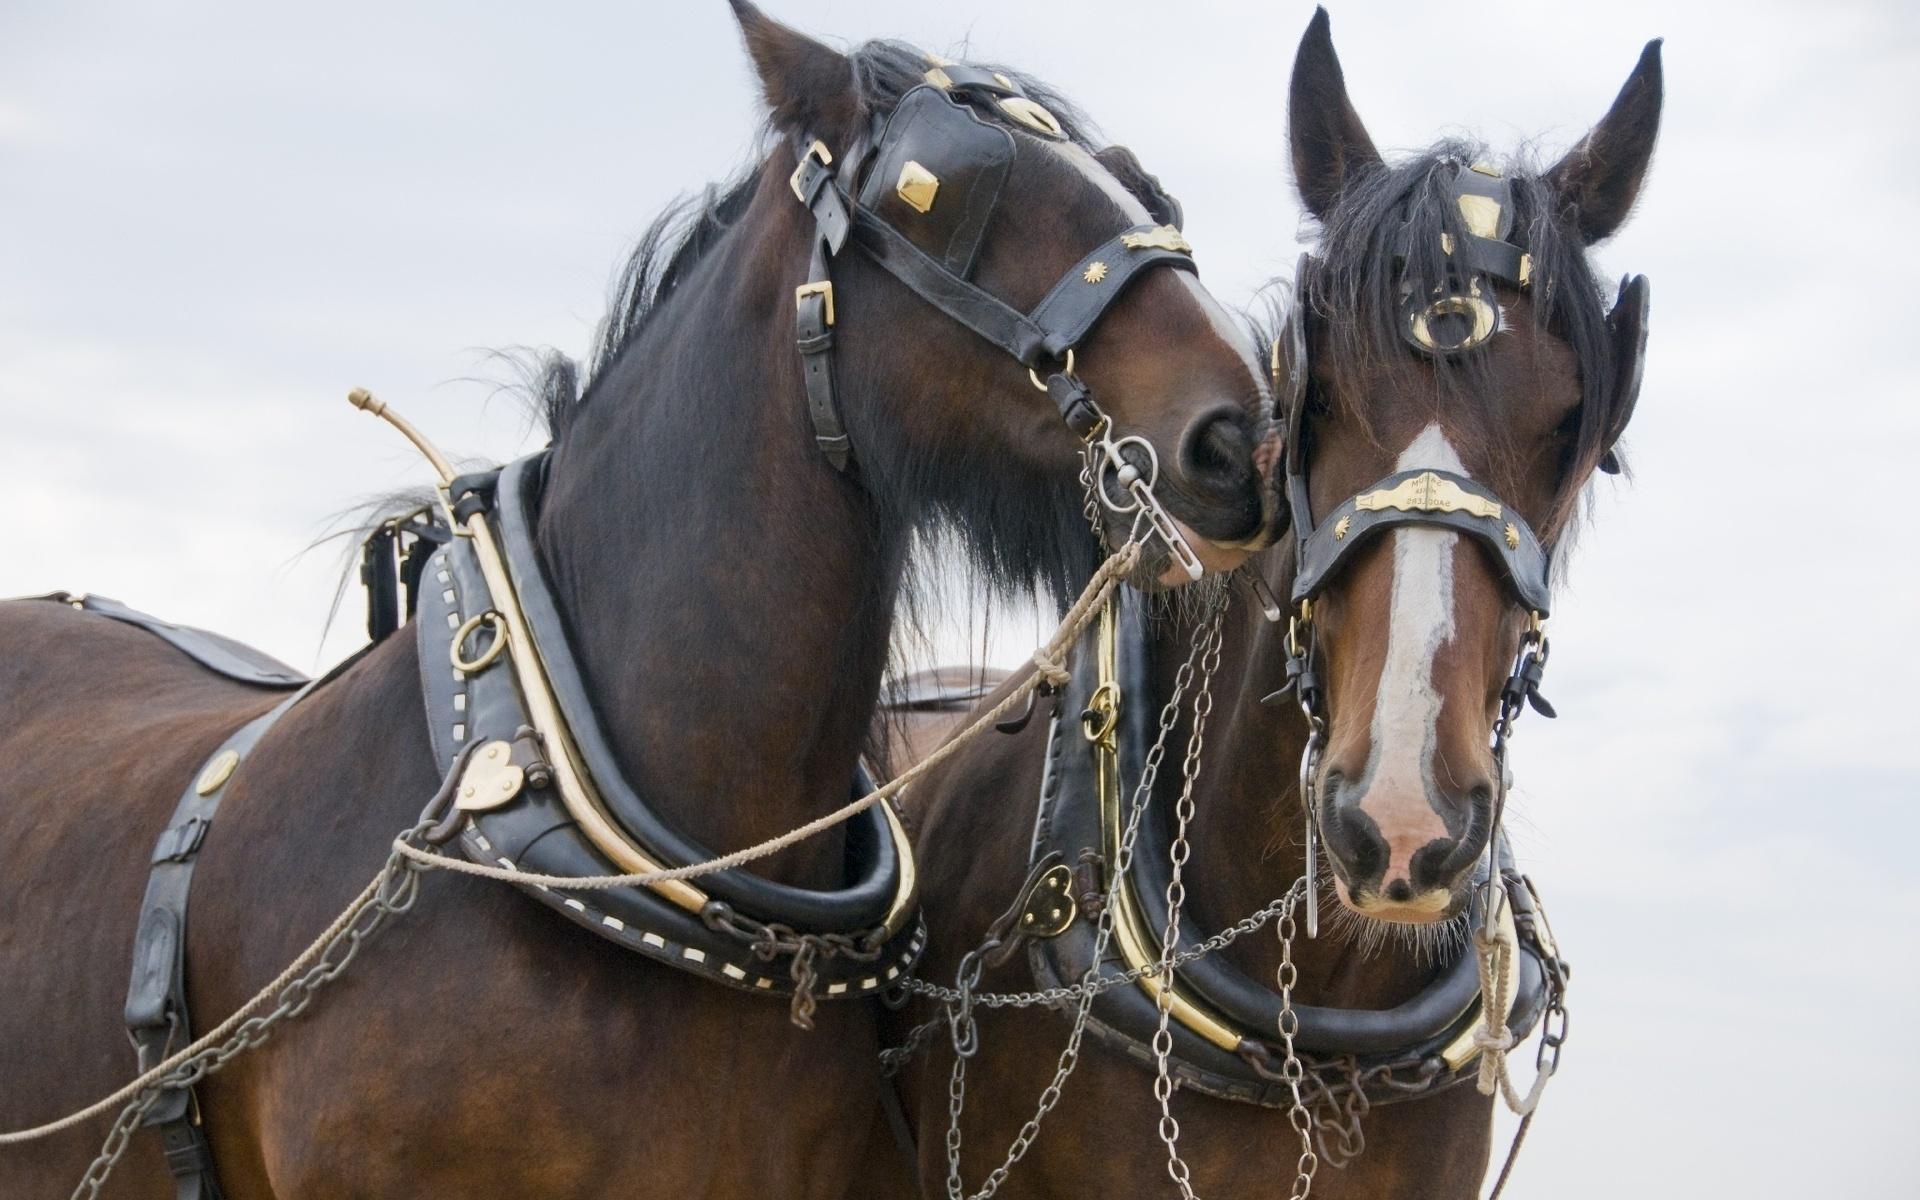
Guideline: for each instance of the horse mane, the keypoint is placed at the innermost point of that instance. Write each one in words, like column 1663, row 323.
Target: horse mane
column 1353, row 289
column 680, row 237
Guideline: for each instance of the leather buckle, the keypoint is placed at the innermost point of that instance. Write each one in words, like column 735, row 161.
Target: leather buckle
column 819, row 287
column 181, row 842
column 816, row 151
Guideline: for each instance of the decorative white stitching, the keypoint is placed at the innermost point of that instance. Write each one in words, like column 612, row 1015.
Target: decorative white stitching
column 694, row 953
column 613, row 923
column 834, row 989
column 575, row 905
column 732, row 972
column 653, row 939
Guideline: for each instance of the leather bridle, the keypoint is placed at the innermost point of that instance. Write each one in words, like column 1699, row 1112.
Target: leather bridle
column 941, row 122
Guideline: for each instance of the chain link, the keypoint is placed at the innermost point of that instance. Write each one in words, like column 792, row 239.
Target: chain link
column 1178, row 853
column 1103, row 932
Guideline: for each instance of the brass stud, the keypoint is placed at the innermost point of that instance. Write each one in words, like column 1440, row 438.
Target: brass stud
column 1095, row 272
column 217, row 772
column 1513, row 536
column 917, row 186
column 1034, row 116
column 1341, row 526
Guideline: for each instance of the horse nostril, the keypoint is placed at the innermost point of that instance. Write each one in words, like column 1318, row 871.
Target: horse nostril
column 1216, row 456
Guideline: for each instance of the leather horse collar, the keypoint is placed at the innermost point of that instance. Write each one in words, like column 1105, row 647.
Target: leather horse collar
column 735, row 927
column 1224, row 1026
column 933, row 168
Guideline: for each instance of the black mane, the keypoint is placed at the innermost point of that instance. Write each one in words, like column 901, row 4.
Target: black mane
column 676, row 241
column 1353, row 288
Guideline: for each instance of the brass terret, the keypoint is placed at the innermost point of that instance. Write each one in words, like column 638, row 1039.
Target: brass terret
column 1427, row 492
column 917, row 186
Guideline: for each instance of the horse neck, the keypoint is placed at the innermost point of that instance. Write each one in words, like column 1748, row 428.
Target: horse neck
column 729, row 594
column 1248, row 832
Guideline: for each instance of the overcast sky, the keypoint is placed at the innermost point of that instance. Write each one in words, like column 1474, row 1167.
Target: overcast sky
column 217, row 218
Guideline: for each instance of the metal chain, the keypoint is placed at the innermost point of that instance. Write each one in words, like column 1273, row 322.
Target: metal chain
column 1291, row 1069
column 1178, row 853
column 398, row 887
column 960, row 1013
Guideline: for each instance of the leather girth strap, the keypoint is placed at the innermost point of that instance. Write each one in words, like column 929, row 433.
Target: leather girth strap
column 156, row 1009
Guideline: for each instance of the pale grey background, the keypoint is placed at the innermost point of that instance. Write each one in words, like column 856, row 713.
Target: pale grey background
column 215, row 218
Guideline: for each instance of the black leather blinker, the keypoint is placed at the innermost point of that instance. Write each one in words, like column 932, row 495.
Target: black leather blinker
column 933, row 136
column 1628, row 321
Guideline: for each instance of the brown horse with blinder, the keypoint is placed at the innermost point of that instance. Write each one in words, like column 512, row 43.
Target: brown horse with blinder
column 1415, row 634
column 729, row 593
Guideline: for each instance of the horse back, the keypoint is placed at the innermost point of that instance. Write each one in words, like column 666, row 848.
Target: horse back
column 102, row 725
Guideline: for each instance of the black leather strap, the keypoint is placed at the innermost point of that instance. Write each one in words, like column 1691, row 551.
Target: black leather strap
column 1323, row 549
column 813, row 334
column 1069, row 312
column 156, row 1008
column 232, row 659
column 979, row 310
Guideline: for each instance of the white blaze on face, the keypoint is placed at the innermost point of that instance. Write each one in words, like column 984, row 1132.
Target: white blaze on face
column 1406, row 711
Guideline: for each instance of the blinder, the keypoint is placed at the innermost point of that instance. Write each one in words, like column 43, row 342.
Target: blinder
column 937, row 176
column 1628, row 322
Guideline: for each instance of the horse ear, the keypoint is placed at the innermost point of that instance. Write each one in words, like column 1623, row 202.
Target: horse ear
column 1599, row 179
column 1329, row 144
column 809, row 86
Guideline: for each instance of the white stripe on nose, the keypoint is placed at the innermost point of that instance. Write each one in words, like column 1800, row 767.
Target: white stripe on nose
column 1406, row 710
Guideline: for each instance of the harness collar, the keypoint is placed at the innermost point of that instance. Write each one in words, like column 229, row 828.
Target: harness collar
column 734, row 927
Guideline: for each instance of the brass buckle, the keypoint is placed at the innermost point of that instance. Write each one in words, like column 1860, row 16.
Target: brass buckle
column 820, row 287
column 817, row 150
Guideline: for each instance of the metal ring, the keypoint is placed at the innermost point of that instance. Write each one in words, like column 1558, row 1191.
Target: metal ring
column 1035, row 375
column 486, row 657
column 1103, row 706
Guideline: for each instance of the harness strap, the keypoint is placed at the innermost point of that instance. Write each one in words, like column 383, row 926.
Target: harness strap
column 156, row 1008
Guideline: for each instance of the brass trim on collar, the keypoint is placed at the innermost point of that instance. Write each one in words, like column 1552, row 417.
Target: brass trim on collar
column 1130, row 932
column 1427, row 492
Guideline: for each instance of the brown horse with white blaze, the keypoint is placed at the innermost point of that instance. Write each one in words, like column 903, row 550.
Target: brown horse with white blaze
column 727, row 591
column 1462, row 373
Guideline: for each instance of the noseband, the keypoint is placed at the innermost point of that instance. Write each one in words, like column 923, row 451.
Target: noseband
column 933, row 169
